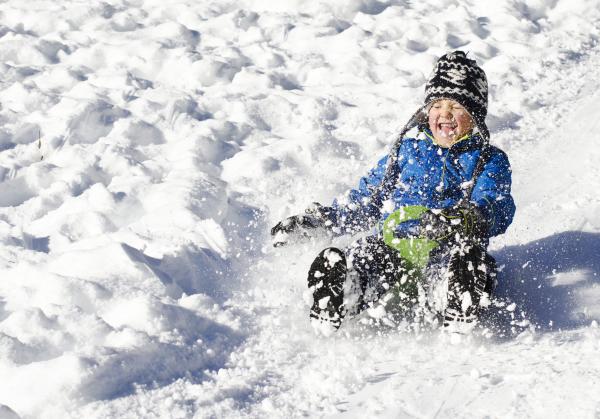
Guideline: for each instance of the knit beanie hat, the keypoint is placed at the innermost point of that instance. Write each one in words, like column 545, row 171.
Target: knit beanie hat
column 459, row 78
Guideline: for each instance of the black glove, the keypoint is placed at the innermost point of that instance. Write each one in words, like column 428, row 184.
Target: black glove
column 301, row 226
column 454, row 223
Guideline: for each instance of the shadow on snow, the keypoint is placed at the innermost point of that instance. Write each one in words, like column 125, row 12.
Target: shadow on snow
column 548, row 278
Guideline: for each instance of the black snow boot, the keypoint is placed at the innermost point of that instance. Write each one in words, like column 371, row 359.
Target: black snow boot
column 472, row 275
column 326, row 279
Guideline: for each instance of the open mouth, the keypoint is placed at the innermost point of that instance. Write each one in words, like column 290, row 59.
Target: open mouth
column 447, row 129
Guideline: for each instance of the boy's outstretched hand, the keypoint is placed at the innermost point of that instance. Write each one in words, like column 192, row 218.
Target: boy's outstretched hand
column 299, row 226
column 296, row 224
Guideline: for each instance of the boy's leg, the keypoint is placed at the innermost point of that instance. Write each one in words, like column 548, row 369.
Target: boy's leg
column 378, row 268
column 471, row 280
column 375, row 268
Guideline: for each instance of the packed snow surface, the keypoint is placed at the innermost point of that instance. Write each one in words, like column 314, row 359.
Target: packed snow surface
column 147, row 147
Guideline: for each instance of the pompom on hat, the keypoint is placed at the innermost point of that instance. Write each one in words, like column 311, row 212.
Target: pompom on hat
column 459, row 78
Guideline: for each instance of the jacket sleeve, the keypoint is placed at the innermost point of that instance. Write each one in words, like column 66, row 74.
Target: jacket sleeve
column 491, row 193
column 358, row 210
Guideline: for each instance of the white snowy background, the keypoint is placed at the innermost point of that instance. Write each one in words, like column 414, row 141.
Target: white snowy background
column 147, row 147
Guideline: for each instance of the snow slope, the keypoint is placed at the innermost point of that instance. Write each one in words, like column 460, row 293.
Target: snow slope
column 146, row 148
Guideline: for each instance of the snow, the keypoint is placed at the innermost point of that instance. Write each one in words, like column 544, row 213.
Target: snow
column 147, row 148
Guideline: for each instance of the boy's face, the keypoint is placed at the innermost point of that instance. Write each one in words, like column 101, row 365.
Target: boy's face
column 449, row 121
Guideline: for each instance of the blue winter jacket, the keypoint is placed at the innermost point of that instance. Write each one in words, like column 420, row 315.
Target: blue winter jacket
column 432, row 176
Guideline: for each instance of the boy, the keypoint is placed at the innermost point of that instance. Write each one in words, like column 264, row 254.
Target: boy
column 436, row 200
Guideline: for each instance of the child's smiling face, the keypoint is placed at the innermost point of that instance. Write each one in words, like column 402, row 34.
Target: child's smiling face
column 449, row 121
